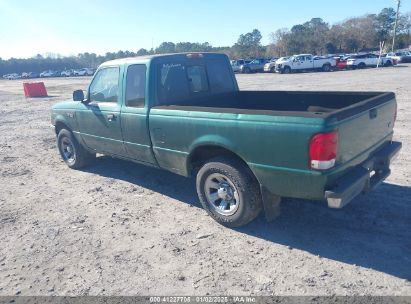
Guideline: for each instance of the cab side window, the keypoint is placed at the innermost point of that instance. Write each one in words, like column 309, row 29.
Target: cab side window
column 104, row 87
column 136, row 86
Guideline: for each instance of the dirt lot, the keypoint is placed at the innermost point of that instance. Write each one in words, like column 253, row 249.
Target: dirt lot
column 118, row 228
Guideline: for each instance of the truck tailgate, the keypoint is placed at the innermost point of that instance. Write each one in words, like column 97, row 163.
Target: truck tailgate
column 365, row 132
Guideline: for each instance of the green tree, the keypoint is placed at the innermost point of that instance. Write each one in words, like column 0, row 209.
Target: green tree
column 384, row 23
column 142, row 52
column 249, row 45
column 166, row 47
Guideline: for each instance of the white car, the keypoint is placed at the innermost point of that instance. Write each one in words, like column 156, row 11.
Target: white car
column 368, row 60
column 84, row 72
column 304, row 62
column 12, row 76
column 80, row 72
column 66, row 73
column 270, row 66
column 48, row 73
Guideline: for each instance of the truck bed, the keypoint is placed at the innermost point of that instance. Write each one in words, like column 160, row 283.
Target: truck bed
column 364, row 122
column 339, row 105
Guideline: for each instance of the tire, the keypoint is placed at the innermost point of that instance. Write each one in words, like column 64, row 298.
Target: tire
column 388, row 63
column 362, row 65
column 272, row 70
column 74, row 155
column 226, row 177
column 287, row 70
column 246, row 71
column 326, row 68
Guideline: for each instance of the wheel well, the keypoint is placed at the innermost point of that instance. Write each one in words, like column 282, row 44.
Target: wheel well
column 59, row 126
column 203, row 154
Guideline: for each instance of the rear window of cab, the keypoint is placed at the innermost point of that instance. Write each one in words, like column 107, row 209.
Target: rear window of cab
column 179, row 80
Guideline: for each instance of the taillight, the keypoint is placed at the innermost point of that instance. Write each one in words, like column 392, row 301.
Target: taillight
column 395, row 113
column 323, row 150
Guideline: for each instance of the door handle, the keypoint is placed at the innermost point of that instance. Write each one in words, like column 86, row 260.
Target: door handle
column 373, row 113
column 111, row 117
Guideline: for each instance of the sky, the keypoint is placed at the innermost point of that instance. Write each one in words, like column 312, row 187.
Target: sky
column 68, row 27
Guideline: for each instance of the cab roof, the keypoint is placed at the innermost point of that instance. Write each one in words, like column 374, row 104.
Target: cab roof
column 145, row 59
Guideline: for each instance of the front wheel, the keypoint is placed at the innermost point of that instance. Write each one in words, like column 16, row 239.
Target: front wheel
column 246, row 70
column 229, row 192
column 287, row 70
column 73, row 154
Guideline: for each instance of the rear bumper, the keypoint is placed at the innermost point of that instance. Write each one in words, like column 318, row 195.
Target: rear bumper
column 363, row 178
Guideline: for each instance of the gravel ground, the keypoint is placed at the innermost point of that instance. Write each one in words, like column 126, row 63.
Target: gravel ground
column 119, row 228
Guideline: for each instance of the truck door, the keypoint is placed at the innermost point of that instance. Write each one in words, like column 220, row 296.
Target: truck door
column 372, row 60
column 134, row 115
column 99, row 120
column 309, row 62
column 303, row 63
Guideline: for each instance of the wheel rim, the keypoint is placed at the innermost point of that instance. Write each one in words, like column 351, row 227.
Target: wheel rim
column 221, row 194
column 67, row 150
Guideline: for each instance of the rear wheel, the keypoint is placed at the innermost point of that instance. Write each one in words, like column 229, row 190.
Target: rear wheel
column 326, row 68
column 388, row 63
column 73, row 154
column 228, row 192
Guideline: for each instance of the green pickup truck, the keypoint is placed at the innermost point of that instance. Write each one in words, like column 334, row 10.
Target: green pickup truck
column 247, row 149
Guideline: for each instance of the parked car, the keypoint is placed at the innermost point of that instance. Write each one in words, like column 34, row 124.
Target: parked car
column 48, row 73
column 12, row 76
column 341, row 63
column 368, row 60
column 33, row 75
column 401, row 57
column 90, row 72
column 66, row 73
column 236, row 64
column 305, row 62
column 247, row 149
column 257, row 65
column 83, row 72
column 270, row 66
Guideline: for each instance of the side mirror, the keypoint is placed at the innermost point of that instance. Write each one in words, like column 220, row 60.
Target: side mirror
column 78, row 95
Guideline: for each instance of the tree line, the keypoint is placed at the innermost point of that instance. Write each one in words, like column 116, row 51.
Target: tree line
column 314, row 36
